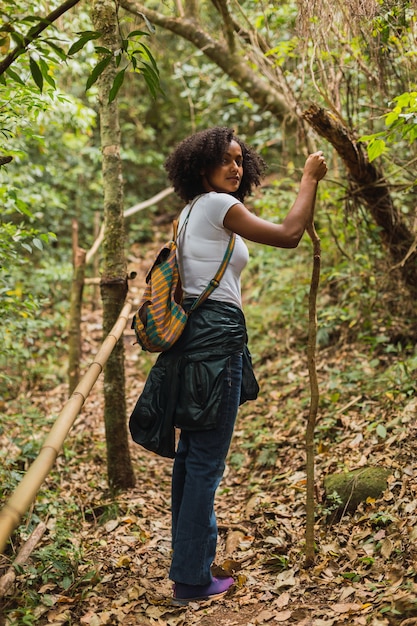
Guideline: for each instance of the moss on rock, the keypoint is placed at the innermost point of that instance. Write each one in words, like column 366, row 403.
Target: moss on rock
column 356, row 486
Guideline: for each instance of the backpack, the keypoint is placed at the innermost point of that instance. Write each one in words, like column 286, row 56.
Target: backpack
column 160, row 319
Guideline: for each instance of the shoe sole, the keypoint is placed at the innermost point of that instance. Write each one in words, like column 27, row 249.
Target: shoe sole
column 185, row 601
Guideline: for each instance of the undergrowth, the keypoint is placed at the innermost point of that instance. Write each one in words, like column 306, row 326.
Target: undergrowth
column 365, row 358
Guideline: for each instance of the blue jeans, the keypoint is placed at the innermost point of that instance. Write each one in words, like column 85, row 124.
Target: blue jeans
column 198, row 469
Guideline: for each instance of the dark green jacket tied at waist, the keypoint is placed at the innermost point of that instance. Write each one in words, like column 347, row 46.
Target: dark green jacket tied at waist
column 184, row 387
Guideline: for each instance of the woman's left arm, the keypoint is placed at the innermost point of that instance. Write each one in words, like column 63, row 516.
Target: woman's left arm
column 287, row 234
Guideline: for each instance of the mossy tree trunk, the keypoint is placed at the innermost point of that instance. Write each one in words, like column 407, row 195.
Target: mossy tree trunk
column 113, row 274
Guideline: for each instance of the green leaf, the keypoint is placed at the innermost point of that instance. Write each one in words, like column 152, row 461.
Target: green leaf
column 371, row 137
column 57, row 49
column 33, row 30
column 36, row 73
column 150, row 57
column 151, row 79
column 37, row 243
column 381, row 431
column 376, row 147
column 392, row 117
column 103, row 50
column 14, row 76
column 45, row 73
column 137, row 33
column 85, row 38
column 99, row 69
column 117, row 83
column 405, row 99
column 18, row 38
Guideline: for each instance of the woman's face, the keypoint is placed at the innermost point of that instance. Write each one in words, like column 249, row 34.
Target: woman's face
column 227, row 176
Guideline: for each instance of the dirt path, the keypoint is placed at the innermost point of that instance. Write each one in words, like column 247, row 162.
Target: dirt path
column 363, row 574
column 366, row 567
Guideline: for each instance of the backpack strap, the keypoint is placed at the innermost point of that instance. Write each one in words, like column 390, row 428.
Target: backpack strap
column 175, row 223
column 214, row 283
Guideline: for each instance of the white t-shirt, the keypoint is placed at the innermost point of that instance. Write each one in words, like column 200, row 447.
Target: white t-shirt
column 201, row 247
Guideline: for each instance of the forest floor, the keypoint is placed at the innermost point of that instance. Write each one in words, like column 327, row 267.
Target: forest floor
column 365, row 570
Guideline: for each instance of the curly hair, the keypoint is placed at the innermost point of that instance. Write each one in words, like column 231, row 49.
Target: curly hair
column 203, row 151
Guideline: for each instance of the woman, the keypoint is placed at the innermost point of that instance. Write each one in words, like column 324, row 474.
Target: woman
column 214, row 171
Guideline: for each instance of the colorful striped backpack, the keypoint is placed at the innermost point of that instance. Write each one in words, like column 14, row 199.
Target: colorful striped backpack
column 161, row 318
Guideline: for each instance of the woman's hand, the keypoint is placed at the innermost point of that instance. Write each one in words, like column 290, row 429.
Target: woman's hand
column 315, row 166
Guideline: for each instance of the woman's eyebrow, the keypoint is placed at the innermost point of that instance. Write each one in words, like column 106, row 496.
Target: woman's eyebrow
column 229, row 154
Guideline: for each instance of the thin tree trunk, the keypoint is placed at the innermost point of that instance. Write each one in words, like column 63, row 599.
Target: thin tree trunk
column 96, row 265
column 114, row 273
column 74, row 332
column 314, row 396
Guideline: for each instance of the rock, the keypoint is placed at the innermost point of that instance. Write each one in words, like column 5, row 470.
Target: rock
column 355, row 487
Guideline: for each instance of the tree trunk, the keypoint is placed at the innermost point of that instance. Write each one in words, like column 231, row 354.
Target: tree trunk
column 114, row 278
column 96, row 265
column 74, row 332
column 370, row 187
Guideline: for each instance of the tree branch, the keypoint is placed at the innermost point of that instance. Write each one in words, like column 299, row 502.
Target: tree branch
column 229, row 26
column 368, row 184
column 131, row 211
column 234, row 65
column 35, row 31
column 10, row 576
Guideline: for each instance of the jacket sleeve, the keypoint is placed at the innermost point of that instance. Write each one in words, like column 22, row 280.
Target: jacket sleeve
column 151, row 423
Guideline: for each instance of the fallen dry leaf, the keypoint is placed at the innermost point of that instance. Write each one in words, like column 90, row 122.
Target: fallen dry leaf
column 282, row 616
column 346, row 607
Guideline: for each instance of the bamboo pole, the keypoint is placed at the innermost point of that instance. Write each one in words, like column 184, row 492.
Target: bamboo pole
column 25, row 493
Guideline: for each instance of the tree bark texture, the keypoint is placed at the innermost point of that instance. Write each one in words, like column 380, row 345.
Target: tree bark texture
column 369, row 187
column 246, row 64
column 314, row 396
column 74, row 332
column 114, row 279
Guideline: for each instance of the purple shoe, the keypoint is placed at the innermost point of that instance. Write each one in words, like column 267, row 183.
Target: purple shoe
column 183, row 594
